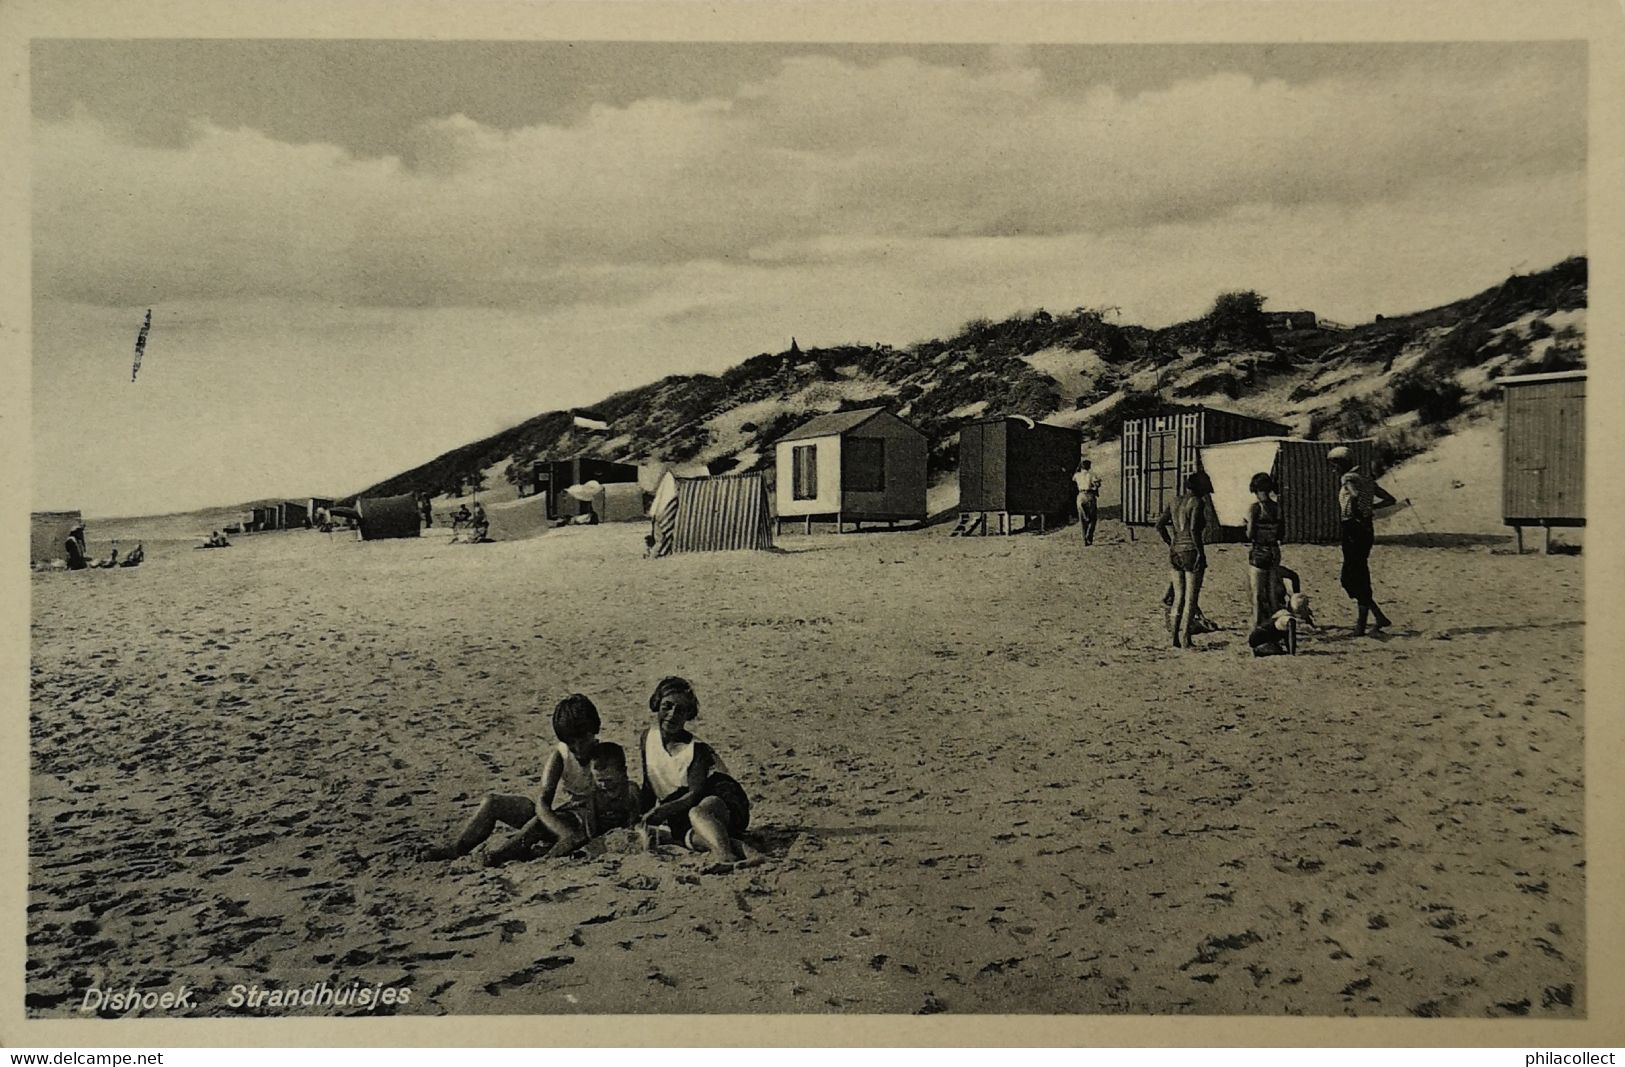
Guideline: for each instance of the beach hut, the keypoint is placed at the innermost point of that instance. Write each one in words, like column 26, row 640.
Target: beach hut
column 383, row 517
column 1014, row 466
column 48, row 536
column 291, row 515
column 712, row 514
column 550, row 479
column 265, row 518
column 857, row 466
column 1305, row 479
column 1543, row 451
column 1160, row 451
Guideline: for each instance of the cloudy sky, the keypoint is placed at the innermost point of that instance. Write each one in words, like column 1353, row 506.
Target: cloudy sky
column 361, row 254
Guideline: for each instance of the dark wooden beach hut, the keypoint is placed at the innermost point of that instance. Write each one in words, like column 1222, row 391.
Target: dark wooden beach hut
column 551, row 478
column 382, row 517
column 291, row 515
column 1013, row 466
column 1160, row 451
column 858, row 466
column 1543, row 451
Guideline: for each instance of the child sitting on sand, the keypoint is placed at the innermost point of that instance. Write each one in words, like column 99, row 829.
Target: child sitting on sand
column 614, row 804
column 576, row 725
column 686, row 786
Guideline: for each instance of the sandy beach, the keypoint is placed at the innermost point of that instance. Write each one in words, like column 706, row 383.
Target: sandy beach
column 983, row 781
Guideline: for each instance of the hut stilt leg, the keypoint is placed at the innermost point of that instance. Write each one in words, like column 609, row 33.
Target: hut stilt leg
column 1518, row 531
column 1546, row 549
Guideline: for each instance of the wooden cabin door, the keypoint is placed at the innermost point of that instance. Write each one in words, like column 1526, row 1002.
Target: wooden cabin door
column 1162, row 470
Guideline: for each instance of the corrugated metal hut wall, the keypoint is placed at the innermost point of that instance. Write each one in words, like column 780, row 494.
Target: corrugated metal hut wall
column 48, row 532
column 1159, row 452
column 902, row 467
column 826, row 471
column 1217, row 427
column 981, row 465
column 1543, row 452
column 1308, row 487
column 388, row 516
column 1042, row 460
column 721, row 514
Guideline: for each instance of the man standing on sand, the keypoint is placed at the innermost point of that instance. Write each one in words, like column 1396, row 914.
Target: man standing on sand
column 1088, row 483
column 1358, row 497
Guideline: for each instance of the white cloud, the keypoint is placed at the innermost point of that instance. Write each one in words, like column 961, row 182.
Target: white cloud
column 900, row 149
column 328, row 318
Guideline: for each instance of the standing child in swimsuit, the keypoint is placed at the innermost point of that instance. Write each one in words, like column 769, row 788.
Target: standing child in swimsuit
column 686, row 785
column 1264, row 531
column 576, row 725
column 1183, row 527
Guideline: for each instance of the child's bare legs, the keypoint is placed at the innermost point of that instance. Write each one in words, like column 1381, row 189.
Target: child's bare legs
column 548, row 827
column 507, row 808
column 709, row 820
column 1193, row 597
column 1176, row 604
column 1256, row 579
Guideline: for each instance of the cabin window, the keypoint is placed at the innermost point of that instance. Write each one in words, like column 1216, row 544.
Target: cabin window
column 863, row 465
column 804, row 472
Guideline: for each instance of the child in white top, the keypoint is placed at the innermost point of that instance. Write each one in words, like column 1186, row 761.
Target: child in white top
column 576, row 725
column 686, row 786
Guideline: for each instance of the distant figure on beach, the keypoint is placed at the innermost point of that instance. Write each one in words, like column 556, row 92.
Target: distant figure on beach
column 1265, row 529
column 111, row 560
column 1183, row 527
column 482, row 525
column 1358, row 497
column 135, row 557
column 74, row 548
column 1088, row 483
column 576, row 725
column 426, row 509
column 686, row 786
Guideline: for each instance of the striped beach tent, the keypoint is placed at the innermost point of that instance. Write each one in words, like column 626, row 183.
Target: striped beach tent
column 716, row 514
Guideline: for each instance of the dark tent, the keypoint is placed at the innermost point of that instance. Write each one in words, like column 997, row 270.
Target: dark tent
column 388, row 516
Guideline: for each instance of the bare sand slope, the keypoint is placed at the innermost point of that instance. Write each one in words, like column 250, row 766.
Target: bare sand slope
column 984, row 783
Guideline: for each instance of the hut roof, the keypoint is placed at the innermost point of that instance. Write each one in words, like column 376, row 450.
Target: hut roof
column 1552, row 376
column 837, row 422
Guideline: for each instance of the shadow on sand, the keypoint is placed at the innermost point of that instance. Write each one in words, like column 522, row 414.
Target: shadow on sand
column 1443, row 540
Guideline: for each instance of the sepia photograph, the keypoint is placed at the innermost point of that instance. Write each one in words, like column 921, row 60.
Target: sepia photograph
column 694, row 527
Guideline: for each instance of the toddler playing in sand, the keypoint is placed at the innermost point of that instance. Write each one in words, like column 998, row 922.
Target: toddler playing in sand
column 614, row 803
column 576, row 725
column 686, row 786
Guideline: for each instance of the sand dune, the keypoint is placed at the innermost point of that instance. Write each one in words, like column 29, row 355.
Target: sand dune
column 983, row 781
